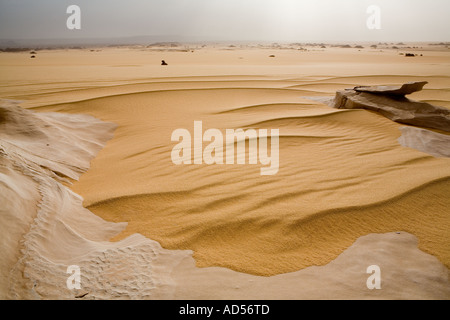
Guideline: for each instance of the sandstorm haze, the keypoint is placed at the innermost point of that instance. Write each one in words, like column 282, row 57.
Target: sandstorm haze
column 233, row 20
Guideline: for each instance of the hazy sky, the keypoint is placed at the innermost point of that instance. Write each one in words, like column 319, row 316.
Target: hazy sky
column 229, row 20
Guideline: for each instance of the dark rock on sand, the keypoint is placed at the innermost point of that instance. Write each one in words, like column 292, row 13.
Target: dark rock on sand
column 390, row 101
column 402, row 90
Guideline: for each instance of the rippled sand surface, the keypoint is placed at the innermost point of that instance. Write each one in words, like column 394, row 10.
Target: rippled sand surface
column 342, row 175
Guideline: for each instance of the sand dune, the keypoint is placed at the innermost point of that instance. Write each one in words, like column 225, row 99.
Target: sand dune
column 343, row 175
column 327, row 159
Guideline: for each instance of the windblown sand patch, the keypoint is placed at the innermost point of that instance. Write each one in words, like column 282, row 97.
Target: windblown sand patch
column 427, row 141
column 44, row 227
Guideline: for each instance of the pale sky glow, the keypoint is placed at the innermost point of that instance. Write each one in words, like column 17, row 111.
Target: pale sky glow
column 229, row 20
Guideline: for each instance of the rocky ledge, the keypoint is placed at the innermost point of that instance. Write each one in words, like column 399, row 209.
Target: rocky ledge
column 390, row 101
